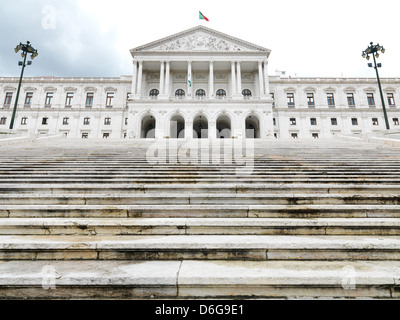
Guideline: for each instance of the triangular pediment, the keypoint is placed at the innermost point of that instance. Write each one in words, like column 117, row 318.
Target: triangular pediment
column 200, row 39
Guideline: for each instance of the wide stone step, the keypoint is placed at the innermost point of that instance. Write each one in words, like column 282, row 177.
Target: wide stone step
column 197, row 198
column 200, row 211
column 199, row 247
column 219, row 188
column 199, row 226
column 198, row 279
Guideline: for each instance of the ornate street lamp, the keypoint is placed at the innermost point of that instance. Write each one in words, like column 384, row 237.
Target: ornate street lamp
column 26, row 49
column 374, row 51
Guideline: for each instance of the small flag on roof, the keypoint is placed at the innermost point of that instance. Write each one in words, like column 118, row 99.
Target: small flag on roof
column 202, row 17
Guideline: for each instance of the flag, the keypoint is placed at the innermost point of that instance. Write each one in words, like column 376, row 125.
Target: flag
column 202, row 17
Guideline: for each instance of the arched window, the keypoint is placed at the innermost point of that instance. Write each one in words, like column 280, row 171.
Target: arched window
column 246, row 93
column 221, row 94
column 154, row 93
column 179, row 94
column 200, row 94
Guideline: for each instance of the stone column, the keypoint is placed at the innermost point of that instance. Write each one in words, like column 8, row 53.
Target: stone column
column 190, row 82
column 139, row 81
column 211, row 81
column 167, row 72
column 134, row 78
column 239, row 79
column 233, row 78
column 162, row 77
column 266, row 80
column 261, row 77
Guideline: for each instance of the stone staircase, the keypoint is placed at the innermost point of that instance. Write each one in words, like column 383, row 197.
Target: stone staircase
column 94, row 219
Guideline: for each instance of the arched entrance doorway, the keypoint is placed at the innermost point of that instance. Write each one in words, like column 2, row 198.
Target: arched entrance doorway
column 200, row 127
column 148, row 127
column 177, row 127
column 224, row 130
column 252, row 127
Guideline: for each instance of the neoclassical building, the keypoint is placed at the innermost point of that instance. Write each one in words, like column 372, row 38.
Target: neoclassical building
column 199, row 83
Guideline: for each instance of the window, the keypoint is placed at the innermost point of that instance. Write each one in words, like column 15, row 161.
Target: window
column 350, row 100
column 313, row 121
column 154, row 93
column 3, row 120
column 290, row 99
column 126, row 121
column 310, row 99
column 354, row 121
column 68, row 99
column 86, row 121
column 396, row 121
column 89, row 99
column 294, row 135
column 333, row 121
column 274, row 121
column 273, row 99
column 45, row 121
column 221, row 94
column 107, row 121
column 371, row 100
column 200, row 94
column 7, row 100
column 65, row 121
column 24, row 121
column 315, row 135
column 49, row 99
column 109, row 99
column 375, row 122
column 292, row 121
column 85, row 135
column 28, row 98
column 106, row 135
column 390, row 98
column 246, row 93
column 331, row 99
column 180, row 94
column 125, row 135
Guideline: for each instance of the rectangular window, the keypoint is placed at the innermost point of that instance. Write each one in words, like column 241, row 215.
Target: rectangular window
column 273, row 99
column 85, row 135
column 331, row 99
column 310, row 99
column 3, row 120
column 290, row 99
column 313, row 121
column 24, row 121
column 89, row 99
column 110, row 98
column 396, row 121
column 86, row 121
column 65, row 121
column 126, row 121
column 49, row 99
column 334, row 121
column 28, row 98
column 274, row 121
column 68, row 99
column 7, row 100
column 371, row 100
column 375, row 122
column 315, row 135
column 354, row 121
column 106, row 135
column 45, row 121
column 350, row 100
column 107, row 121
column 294, row 135
column 390, row 98
column 292, row 121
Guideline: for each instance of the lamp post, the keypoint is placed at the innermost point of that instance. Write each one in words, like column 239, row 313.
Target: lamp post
column 374, row 51
column 26, row 49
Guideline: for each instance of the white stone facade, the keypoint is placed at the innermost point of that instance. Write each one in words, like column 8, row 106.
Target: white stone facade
column 199, row 83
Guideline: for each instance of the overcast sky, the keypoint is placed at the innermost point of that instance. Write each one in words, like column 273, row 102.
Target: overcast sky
column 308, row 38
